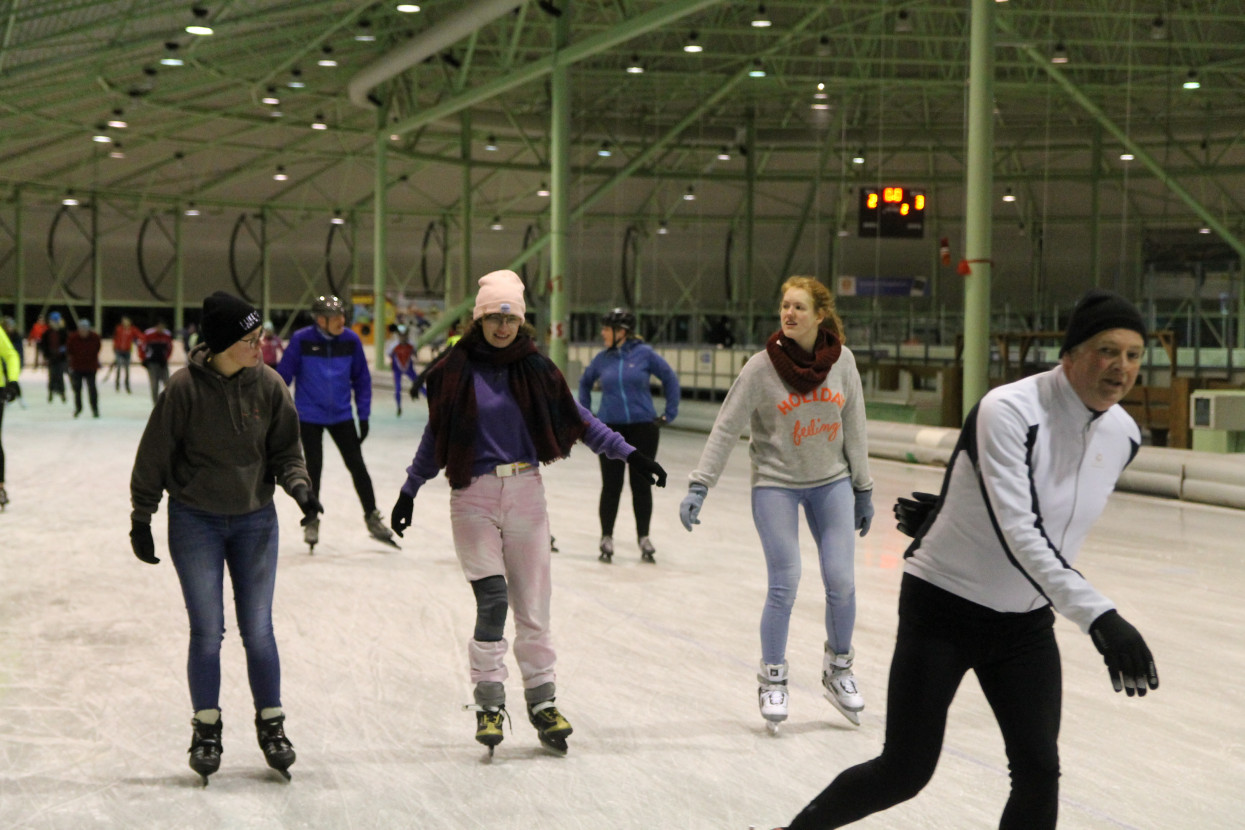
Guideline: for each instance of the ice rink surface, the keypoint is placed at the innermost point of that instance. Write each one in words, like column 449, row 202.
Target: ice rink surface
column 656, row 663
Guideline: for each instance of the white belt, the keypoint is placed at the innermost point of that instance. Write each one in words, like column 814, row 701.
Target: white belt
column 504, row 470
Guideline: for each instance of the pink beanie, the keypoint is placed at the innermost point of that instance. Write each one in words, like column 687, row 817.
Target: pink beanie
column 501, row 292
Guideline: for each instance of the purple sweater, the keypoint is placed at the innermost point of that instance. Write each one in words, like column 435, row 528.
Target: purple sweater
column 501, row 437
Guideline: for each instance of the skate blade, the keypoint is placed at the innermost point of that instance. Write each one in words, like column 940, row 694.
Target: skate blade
column 854, row 717
column 648, row 557
column 557, row 745
column 607, row 558
column 771, row 726
column 388, row 542
column 284, row 773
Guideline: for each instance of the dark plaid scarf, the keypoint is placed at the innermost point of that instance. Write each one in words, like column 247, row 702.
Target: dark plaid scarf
column 548, row 408
column 803, row 371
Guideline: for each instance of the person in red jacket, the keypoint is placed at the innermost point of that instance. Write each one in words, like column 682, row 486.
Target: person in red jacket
column 123, row 339
column 155, row 349
column 35, row 338
column 82, row 348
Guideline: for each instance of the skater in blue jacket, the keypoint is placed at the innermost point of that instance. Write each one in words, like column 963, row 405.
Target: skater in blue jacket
column 624, row 369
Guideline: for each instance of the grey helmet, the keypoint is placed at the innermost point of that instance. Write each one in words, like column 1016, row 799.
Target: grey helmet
column 327, row 306
column 619, row 318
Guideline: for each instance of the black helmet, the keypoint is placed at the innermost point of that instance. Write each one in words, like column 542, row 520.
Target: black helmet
column 328, row 306
column 619, row 318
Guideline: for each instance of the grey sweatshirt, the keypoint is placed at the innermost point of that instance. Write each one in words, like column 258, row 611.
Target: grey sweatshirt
column 216, row 443
column 798, row 441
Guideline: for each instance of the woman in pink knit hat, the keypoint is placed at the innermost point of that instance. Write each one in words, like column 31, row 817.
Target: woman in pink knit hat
column 493, row 379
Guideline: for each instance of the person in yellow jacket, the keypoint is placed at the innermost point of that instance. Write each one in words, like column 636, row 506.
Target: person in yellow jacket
column 11, row 391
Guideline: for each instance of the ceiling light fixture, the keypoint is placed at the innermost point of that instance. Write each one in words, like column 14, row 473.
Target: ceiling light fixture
column 337, row 218
column 757, row 70
column 693, row 44
column 903, row 22
column 171, row 58
column 270, row 98
column 116, row 152
column 859, row 158
column 1158, row 29
column 1191, row 81
column 191, row 210
column 328, row 59
column 200, row 13
column 496, row 225
column 635, row 67
column 662, row 228
column 296, row 79
column 724, row 154
column 365, row 31
column 604, row 151
column 408, row 8
column 280, row 175
column 69, row 200
column 690, row 194
column 761, row 19
column 1060, row 55
column 117, row 122
column 543, row 191
column 319, row 124
column 1126, row 156
column 1008, row 196
column 490, row 144
column 1203, row 230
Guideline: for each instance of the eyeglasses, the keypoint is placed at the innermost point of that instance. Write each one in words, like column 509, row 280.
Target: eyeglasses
column 253, row 342
column 499, row 319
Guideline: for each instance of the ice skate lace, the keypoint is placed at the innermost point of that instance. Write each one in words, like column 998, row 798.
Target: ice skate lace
column 846, row 682
column 494, row 716
column 774, row 697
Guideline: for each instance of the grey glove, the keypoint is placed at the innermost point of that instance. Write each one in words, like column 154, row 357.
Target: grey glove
column 862, row 512
column 689, row 510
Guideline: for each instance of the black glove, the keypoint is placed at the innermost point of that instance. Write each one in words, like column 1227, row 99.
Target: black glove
column 142, row 543
column 12, row 391
column 362, row 431
column 414, row 391
column 912, row 513
column 1127, row 657
column 308, row 503
column 403, row 510
column 646, row 467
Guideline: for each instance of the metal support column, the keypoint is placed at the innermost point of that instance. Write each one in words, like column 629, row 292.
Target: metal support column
column 560, row 190
column 380, row 224
column 979, row 185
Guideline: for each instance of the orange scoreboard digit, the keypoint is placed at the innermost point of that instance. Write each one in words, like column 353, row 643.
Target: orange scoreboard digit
column 892, row 212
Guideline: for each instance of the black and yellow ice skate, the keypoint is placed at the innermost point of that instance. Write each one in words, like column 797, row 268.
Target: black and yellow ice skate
column 278, row 751
column 205, row 748
column 489, row 720
column 551, row 727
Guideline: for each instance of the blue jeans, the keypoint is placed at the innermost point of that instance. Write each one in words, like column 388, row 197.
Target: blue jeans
column 201, row 544
column 829, row 512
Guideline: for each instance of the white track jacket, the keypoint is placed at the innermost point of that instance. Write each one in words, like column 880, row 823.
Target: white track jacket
column 1030, row 475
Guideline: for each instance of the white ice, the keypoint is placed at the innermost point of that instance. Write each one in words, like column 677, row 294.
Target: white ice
column 656, row 663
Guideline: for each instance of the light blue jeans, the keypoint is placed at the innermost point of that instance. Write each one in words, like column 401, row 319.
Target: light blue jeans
column 201, row 545
column 829, row 512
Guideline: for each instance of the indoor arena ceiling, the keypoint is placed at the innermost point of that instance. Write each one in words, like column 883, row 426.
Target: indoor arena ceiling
column 90, row 101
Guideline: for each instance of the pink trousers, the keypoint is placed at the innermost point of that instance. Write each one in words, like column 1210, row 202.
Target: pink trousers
column 501, row 528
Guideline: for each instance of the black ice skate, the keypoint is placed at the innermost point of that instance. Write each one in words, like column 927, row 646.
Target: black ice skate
column 205, row 748
column 489, row 721
column 4, row 497
column 551, row 727
column 376, row 527
column 278, row 751
column 607, row 549
column 647, row 550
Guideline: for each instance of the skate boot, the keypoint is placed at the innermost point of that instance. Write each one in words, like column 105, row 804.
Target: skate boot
column 647, row 550
column 840, row 684
column 311, row 534
column 772, row 694
column 376, row 527
column 490, row 709
column 607, row 549
column 278, row 751
column 551, row 727
column 205, row 745
column 4, row 497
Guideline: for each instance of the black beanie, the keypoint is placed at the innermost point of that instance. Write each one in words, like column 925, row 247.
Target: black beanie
column 1098, row 311
column 226, row 320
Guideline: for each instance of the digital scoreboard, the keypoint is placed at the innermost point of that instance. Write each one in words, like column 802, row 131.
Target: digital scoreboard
column 892, row 212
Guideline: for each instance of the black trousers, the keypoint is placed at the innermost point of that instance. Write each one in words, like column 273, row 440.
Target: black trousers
column 76, row 379
column 643, row 436
column 347, row 441
column 941, row 637
column 1, row 425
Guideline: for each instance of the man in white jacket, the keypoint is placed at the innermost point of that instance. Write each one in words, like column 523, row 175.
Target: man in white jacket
column 992, row 559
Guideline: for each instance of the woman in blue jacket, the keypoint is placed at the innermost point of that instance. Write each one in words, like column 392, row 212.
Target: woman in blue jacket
column 624, row 368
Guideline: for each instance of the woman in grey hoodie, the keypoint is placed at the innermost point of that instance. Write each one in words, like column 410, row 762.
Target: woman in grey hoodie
column 802, row 398
column 222, row 432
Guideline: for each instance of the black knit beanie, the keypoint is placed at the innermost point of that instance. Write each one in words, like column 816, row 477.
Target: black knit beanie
column 1097, row 311
column 226, row 320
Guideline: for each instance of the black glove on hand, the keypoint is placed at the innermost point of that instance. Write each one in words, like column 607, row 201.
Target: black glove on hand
column 912, row 513
column 308, row 503
column 642, row 465
column 403, row 510
column 142, row 543
column 362, row 431
column 414, row 391
column 12, row 391
column 1127, row 657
